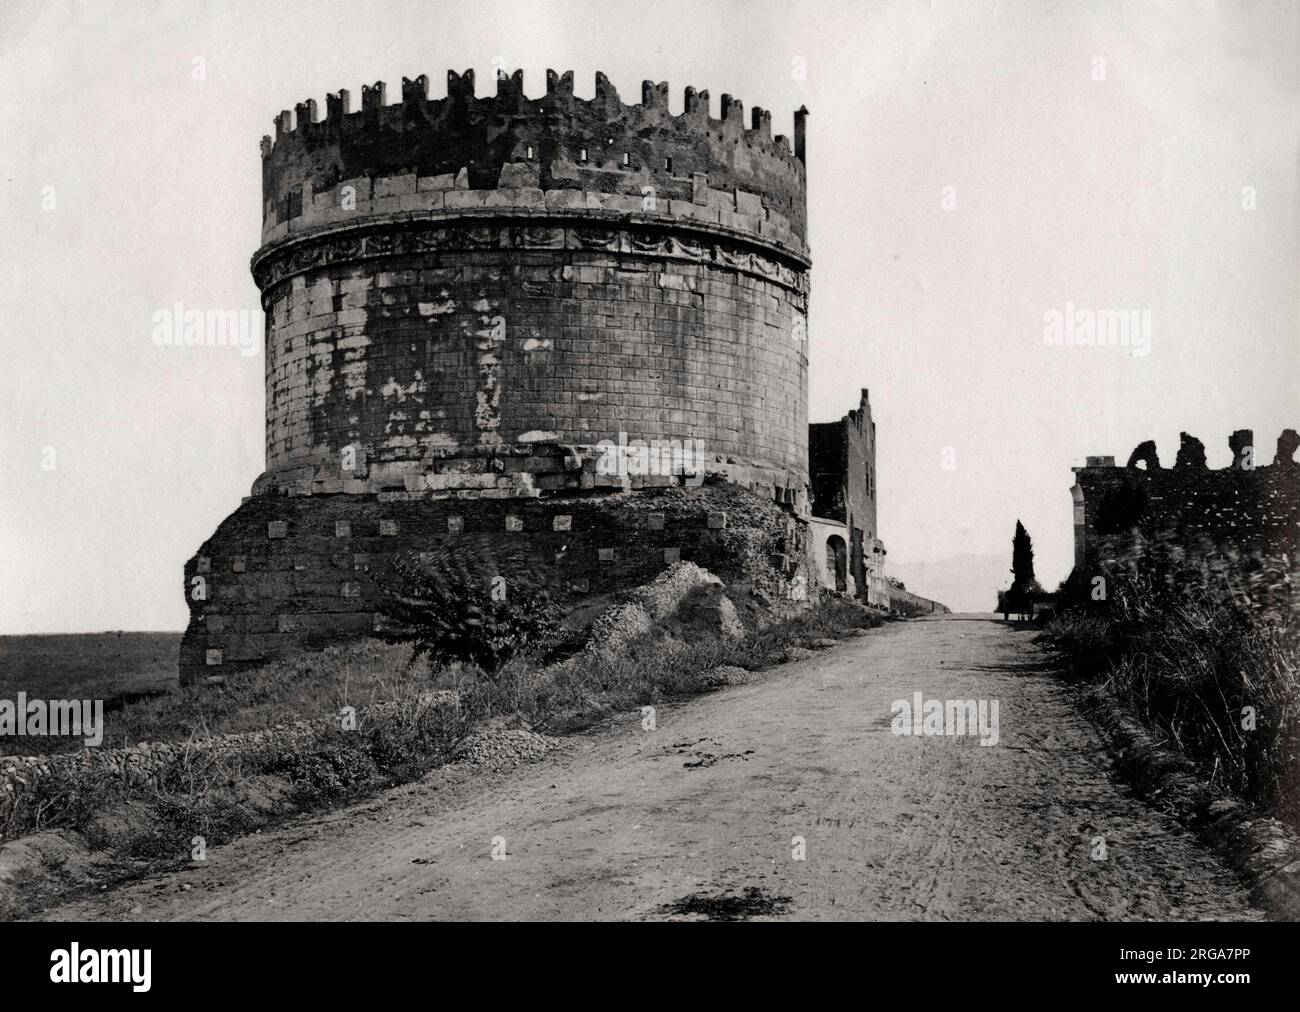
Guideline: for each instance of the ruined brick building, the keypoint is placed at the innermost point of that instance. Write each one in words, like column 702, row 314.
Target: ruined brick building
column 1237, row 527
column 579, row 324
column 847, row 550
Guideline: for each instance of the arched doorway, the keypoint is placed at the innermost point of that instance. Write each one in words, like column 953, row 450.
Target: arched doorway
column 837, row 562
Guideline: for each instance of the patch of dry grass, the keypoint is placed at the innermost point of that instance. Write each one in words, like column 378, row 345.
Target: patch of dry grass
column 1215, row 679
column 677, row 659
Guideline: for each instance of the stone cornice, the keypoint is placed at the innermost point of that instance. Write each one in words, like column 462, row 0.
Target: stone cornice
column 644, row 235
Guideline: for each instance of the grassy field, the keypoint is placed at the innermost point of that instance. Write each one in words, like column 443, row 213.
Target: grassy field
column 116, row 667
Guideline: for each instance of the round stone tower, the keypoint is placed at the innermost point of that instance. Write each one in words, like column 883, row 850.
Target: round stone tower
column 574, row 323
column 454, row 283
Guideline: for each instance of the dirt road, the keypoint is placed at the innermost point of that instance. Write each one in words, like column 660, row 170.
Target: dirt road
column 629, row 822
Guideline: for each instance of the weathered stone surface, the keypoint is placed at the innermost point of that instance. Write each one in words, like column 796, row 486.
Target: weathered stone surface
column 729, row 619
column 479, row 316
column 1239, row 522
column 1191, row 452
column 1144, row 453
column 502, row 309
column 292, row 591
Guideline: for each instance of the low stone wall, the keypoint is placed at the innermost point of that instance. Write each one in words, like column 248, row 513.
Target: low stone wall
column 284, row 572
column 906, row 602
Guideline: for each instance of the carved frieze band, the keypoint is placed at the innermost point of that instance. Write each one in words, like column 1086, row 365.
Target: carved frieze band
column 412, row 238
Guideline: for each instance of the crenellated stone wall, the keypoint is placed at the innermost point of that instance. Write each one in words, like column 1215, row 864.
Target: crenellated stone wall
column 1239, row 524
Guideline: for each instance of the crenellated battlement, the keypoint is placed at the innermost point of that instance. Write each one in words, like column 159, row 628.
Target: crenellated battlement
column 557, row 142
column 1250, row 507
column 1191, row 454
column 510, row 99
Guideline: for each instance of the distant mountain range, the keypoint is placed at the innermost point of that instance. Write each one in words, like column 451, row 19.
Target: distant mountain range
column 965, row 582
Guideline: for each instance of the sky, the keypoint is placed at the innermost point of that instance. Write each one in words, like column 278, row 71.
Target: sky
column 973, row 168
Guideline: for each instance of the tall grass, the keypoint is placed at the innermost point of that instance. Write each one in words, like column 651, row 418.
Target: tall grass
column 1207, row 666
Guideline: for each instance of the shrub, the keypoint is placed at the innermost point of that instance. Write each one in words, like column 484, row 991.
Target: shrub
column 71, row 798
column 466, row 602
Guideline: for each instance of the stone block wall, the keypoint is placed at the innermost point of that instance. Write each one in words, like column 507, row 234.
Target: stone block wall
column 1245, row 515
column 451, row 279
column 435, row 358
column 287, row 571
column 906, row 602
